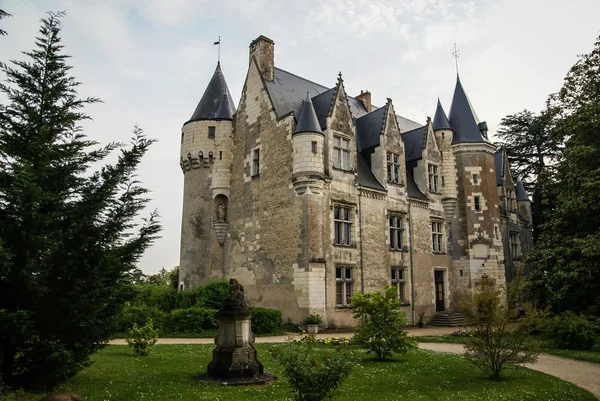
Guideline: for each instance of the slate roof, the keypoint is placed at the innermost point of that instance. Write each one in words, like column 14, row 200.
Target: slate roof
column 307, row 118
column 412, row 189
column 224, row 112
column 366, row 178
column 499, row 165
column 440, row 120
column 413, row 143
column 287, row 92
column 520, row 192
column 463, row 119
column 209, row 103
column 369, row 127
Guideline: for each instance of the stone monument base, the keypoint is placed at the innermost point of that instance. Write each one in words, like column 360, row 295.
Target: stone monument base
column 263, row 378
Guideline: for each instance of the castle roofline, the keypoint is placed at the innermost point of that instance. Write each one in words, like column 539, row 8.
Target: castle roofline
column 440, row 120
column 210, row 103
column 463, row 119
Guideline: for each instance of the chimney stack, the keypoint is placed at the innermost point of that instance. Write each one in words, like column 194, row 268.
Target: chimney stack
column 365, row 97
column 263, row 50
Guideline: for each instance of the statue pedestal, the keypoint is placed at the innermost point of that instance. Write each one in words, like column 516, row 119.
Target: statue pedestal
column 235, row 359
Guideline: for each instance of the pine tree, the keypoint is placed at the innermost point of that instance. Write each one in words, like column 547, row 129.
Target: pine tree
column 532, row 148
column 567, row 258
column 3, row 14
column 70, row 236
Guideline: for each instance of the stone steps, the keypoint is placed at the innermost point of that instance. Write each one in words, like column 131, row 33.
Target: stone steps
column 445, row 319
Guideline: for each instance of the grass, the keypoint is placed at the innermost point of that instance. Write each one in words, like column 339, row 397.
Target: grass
column 592, row 355
column 167, row 374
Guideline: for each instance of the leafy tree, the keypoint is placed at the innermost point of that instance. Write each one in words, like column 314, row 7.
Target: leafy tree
column 71, row 236
column 498, row 335
column 381, row 321
column 567, row 256
column 531, row 147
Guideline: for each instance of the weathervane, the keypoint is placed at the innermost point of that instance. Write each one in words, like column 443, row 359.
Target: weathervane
column 456, row 54
column 218, row 43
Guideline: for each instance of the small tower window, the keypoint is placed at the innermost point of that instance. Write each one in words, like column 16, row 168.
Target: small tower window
column 442, row 135
column 200, row 156
column 443, row 182
column 475, row 179
column 314, row 147
column 256, row 162
column 477, row 201
column 220, row 155
column 189, row 155
column 211, row 132
column 210, row 156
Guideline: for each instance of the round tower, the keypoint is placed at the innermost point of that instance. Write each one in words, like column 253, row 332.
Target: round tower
column 308, row 144
column 205, row 159
column 444, row 135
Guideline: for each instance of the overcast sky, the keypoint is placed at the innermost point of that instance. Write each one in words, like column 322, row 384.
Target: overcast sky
column 150, row 61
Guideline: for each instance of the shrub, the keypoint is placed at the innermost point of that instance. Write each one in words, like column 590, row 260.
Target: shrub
column 193, row 320
column 160, row 297
column 572, row 331
column 312, row 377
column 381, row 321
column 312, row 319
column 140, row 315
column 497, row 335
column 141, row 339
column 213, row 294
column 266, row 321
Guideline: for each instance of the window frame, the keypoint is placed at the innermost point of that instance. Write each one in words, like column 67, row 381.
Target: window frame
column 256, row 162
column 433, row 174
column 342, row 153
column 393, row 162
column 343, row 282
column 437, row 236
column 212, row 132
column 396, row 231
column 477, row 203
column 399, row 282
column 514, row 245
column 342, row 225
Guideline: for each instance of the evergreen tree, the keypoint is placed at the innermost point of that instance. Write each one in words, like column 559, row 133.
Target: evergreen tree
column 532, row 148
column 567, row 258
column 3, row 14
column 71, row 237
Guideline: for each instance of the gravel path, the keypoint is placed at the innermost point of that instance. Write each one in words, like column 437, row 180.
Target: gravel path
column 583, row 374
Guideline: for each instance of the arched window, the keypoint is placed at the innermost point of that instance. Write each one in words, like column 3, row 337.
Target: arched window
column 210, row 156
column 200, row 156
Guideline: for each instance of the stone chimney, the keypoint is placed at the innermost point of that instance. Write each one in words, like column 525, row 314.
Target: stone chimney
column 263, row 50
column 365, row 97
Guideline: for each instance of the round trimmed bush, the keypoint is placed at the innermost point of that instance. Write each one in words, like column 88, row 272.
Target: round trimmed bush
column 572, row 331
column 266, row 321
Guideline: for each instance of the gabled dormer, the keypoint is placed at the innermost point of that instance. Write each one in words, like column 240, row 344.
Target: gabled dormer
column 341, row 133
column 431, row 162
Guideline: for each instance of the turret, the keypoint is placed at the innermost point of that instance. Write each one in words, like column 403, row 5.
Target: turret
column 205, row 158
column 443, row 135
column 307, row 141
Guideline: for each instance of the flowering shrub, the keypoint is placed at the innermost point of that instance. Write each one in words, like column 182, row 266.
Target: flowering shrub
column 336, row 341
column 312, row 319
column 141, row 339
column 313, row 377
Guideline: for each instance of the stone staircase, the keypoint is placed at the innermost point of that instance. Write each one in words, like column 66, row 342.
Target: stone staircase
column 447, row 319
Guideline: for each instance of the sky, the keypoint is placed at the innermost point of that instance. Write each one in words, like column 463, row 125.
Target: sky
column 150, row 61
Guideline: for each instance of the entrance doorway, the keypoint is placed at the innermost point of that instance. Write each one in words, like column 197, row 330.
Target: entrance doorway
column 439, row 290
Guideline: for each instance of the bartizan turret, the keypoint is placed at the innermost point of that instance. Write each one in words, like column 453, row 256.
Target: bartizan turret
column 206, row 145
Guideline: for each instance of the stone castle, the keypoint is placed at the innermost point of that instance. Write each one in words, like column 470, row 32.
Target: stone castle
column 307, row 195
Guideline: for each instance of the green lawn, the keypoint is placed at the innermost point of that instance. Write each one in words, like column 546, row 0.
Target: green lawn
column 592, row 355
column 167, row 374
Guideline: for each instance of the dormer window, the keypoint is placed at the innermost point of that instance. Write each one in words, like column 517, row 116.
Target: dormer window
column 393, row 168
column 433, row 178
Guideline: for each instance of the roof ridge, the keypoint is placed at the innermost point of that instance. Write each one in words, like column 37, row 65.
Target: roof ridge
column 298, row 76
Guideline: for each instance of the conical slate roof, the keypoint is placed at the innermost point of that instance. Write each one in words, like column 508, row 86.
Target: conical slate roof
column 520, row 193
column 224, row 112
column 463, row 119
column 440, row 121
column 307, row 118
column 211, row 99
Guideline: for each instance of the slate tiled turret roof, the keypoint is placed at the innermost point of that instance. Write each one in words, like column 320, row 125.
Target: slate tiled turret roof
column 440, row 120
column 463, row 120
column 212, row 97
column 520, row 193
column 307, row 118
column 224, row 111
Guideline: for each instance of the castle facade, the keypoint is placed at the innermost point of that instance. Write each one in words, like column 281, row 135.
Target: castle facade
column 307, row 195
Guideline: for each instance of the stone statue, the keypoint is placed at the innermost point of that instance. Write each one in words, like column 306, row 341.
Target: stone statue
column 221, row 212
column 236, row 292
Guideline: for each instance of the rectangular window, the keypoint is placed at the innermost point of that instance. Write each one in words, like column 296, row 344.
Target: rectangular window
column 313, row 146
column 256, row 164
column 497, row 233
column 477, row 201
column 211, row 132
column 443, row 182
column 475, row 179
column 433, row 178
column 436, row 236
column 511, row 201
column 396, row 232
column 342, row 226
column 514, row 245
column 341, row 153
column 393, row 168
column 343, row 286
column 398, row 282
